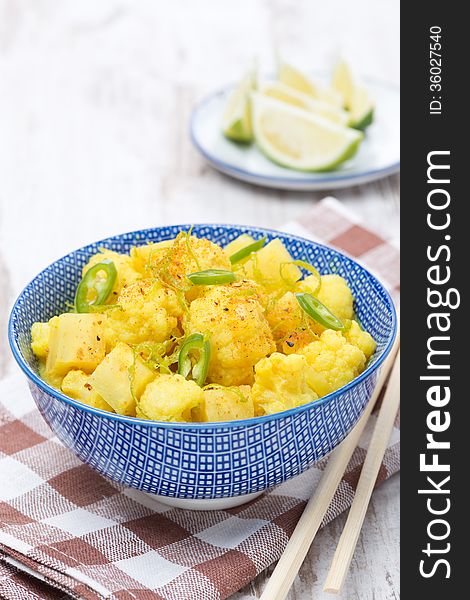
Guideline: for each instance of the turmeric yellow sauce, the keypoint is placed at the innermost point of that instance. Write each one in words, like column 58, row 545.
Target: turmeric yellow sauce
column 250, row 348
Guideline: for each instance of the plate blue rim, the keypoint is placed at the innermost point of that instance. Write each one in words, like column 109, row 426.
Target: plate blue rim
column 45, row 387
column 294, row 181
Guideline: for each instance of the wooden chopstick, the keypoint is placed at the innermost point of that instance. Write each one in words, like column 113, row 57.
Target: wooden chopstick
column 370, row 470
column 306, row 529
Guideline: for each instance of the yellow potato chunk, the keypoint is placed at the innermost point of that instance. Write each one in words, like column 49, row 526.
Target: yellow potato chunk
column 362, row 339
column 76, row 341
column 126, row 273
column 242, row 241
column 148, row 312
column 226, row 404
column 269, row 266
column 121, row 378
column 169, row 398
column 333, row 362
column 40, row 333
column 143, row 257
column 76, row 385
column 281, row 383
column 336, row 295
column 238, row 332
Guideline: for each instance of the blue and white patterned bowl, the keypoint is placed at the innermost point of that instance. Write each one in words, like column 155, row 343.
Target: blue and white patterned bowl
column 209, row 464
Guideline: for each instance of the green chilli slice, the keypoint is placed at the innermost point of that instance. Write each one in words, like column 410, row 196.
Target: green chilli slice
column 212, row 277
column 247, row 250
column 196, row 343
column 317, row 311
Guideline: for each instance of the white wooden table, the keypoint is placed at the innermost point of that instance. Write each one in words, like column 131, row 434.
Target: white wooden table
column 94, row 106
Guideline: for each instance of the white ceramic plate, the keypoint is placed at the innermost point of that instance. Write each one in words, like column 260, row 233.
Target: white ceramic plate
column 378, row 156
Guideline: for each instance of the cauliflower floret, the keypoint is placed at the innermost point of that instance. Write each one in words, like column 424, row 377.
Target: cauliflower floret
column 290, row 327
column 336, row 295
column 310, row 284
column 76, row 385
column 188, row 254
column 362, row 339
column 169, row 398
column 238, row 332
column 297, row 340
column 226, row 404
column 333, row 362
column 284, row 316
column 126, row 274
column 149, row 290
column 281, row 383
column 40, row 333
column 244, row 288
column 148, row 312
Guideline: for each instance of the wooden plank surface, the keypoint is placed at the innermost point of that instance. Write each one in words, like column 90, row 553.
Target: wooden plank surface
column 95, row 100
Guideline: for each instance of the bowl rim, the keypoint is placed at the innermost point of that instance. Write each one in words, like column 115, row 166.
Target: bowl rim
column 183, row 425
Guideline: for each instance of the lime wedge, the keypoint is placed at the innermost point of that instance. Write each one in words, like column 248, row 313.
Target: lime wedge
column 361, row 108
column 299, row 81
column 298, row 139
column 356, row 98
column 289, row 95
column 343, row 82
column 236, row 120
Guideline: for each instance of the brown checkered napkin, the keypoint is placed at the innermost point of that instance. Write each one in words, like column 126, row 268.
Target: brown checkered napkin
column 65, row 528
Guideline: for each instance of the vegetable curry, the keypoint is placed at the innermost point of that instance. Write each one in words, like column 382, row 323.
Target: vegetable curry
column 185, row 330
